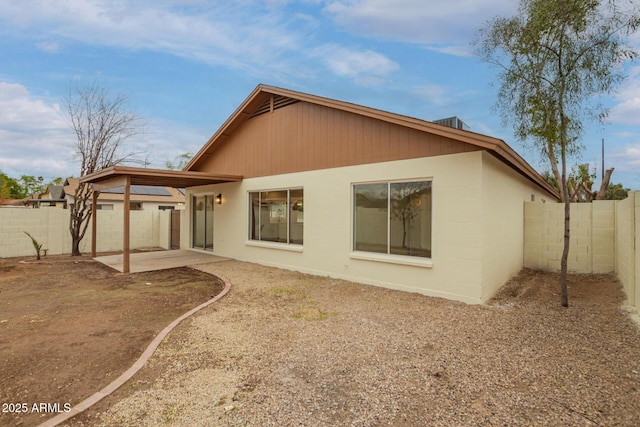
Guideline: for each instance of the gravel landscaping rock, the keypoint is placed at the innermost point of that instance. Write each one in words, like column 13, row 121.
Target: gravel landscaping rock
column 284, row 349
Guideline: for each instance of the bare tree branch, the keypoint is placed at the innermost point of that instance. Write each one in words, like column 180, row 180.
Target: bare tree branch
column 102, row 124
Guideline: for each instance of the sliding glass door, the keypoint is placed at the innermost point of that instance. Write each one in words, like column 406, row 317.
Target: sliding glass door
column 203, row 222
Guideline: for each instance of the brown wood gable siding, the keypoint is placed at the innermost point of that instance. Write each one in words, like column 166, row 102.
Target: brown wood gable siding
column 305, row 136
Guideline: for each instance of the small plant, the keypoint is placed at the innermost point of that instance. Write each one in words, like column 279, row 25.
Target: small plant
column 285, row 291
column 36, row 245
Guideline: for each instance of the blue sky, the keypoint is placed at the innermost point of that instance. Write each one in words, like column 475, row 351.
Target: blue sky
column 187, row 64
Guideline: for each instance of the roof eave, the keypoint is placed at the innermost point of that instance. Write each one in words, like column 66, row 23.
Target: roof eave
column 113, row 176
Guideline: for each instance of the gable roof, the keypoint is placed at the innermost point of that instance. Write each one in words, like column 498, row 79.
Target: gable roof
column 265, row 99
column 56, row 191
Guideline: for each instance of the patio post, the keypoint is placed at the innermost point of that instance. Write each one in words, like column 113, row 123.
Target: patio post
column 94, row 222
column 127, row 219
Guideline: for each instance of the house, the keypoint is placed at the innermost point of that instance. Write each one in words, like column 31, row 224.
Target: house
column 53, row 196
column 327, row 187
column 12, row 203
column 144, row 197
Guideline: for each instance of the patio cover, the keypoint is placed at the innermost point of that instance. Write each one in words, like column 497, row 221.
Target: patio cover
column 124, row 176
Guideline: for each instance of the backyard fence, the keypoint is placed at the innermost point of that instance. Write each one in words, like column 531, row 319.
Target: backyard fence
column 605, row 236
column 50, row 227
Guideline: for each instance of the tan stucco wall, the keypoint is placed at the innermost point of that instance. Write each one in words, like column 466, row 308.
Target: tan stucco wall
column 504, row 193
column 51, row 228
column 460, row 228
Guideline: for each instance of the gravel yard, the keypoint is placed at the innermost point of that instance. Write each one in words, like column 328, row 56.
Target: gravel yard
column 284, row 349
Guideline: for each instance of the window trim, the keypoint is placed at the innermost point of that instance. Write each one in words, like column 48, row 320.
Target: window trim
column 292, row 247
column 392, row 258
column 389, row 257
column 288, row 245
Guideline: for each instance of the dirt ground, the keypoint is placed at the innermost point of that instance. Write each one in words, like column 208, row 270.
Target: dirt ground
column 284, row 348
column 69, row 326
column 289, row 349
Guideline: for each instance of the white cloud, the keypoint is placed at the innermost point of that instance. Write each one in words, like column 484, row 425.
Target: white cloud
column 36, row 140
column 366, row 67
column 433, row 94
column 627, row 111
column 236, row 34
column 446, row 27
column 272, row 39
column 33, row 126
column 168, row 140
column 627, row 158
column 50, row 47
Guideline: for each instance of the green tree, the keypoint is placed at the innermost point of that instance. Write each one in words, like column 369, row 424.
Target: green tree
column 179, row 162
column 555, row 58
column 617, row 192
column 5, row 191
column 25, row 186
column 31, row 185
column 9, row 188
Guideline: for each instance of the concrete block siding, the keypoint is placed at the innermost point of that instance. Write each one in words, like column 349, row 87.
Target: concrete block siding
column 50, row 226
column 591, row 248
column 477, row 235
column 636, row 233
column 604, row 238
column 626, row 241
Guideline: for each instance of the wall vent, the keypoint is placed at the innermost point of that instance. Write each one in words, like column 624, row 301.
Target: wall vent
column 278, row 102
column 453, row 122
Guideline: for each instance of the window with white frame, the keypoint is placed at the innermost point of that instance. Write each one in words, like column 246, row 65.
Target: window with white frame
column 393, row 218
column 277, row 216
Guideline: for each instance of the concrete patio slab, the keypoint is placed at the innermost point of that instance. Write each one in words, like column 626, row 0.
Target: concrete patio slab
column 159, row 260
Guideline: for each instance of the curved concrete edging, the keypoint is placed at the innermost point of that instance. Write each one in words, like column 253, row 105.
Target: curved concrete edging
column 126, row 376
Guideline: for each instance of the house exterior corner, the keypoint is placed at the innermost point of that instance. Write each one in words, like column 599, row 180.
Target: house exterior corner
column 346, row 191
column 458, row 227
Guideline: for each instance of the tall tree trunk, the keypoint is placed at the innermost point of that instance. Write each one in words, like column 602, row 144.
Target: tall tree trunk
column 602, row 194
column 553, row 161
column 75, row 246
column 565, row 255
column 564, row 297
column 80, row 214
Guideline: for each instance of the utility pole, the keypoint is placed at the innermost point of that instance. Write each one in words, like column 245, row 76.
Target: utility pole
column 602, row 170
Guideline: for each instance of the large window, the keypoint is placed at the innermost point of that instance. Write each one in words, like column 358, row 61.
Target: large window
column 393, row 218
column 277, row 216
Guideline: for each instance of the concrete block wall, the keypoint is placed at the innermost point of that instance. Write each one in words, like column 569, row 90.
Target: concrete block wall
column 635, row 281
column 50, row 226
column 591, row 246
column 14, row 222
column 164, row 229
column 605, row 236
column 603, row 228
column 626, row 236
column 533, row 242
